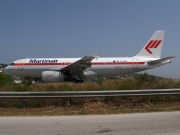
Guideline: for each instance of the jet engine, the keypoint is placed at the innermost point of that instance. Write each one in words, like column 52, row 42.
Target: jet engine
column 52, row 76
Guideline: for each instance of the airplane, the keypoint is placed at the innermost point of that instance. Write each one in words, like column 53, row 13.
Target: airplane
column 77, row 69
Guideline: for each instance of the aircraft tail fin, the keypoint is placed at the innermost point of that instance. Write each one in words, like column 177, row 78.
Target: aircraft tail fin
column 153, row 47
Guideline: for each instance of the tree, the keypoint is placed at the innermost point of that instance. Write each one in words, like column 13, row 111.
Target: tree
column 144, row 78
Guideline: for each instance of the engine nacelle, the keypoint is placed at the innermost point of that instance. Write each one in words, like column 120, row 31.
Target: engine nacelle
column 52, row 76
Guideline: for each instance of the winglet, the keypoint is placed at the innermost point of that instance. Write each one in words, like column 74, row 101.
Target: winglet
column 96, row 56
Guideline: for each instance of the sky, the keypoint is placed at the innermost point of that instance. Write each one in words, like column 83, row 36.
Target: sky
column 77, row 28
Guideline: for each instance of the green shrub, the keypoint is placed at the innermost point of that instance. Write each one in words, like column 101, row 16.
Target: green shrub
column 5, row 80
column 27, row 80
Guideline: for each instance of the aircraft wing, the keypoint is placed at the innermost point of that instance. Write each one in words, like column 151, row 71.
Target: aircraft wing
column 79, row 66
column 160, row 60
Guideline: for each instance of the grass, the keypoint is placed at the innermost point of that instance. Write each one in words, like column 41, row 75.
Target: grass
column 81, row 106
column 92, row 108
column 127, row 84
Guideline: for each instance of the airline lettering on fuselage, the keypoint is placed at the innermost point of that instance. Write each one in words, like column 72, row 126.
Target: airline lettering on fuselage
column 42, row 61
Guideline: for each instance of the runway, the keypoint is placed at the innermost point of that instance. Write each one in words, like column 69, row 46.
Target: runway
column 161, row 123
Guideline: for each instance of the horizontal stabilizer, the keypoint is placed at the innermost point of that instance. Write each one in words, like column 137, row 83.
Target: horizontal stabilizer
column 160, row 60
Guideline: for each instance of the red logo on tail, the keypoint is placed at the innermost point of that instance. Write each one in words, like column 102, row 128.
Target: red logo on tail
column 152, row 44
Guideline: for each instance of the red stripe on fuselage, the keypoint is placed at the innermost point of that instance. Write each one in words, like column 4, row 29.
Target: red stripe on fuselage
column 67, row 63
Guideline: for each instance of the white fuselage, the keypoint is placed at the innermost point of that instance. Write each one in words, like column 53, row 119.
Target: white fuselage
column 112, row 66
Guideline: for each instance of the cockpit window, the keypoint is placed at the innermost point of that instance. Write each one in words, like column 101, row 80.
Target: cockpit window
column 12, row 64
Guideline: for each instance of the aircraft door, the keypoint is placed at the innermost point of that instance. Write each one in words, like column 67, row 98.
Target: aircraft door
column 21, row 64
column 135, row 63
